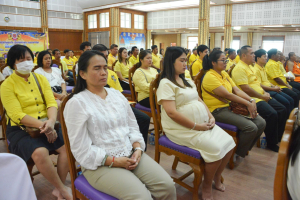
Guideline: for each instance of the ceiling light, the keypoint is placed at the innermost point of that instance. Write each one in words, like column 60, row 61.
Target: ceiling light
column 237, row 28
column 212, row 2
column 193, row 28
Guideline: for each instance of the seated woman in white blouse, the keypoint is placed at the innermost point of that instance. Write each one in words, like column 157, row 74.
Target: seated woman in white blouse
column 105, row 138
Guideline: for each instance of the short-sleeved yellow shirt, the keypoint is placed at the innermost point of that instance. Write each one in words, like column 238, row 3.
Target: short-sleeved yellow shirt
column 229, row 64
column 244, row 74
column 156, row 60
column 111, row 59
column 141, row 83
column 74, row 59
column 193, row 57
column 21, row 98
column 281, row 67
column 113, row 81
column 261, row 75
column 35, row 61
column 212, row 80
column 133, row 60
column 237, row 59
column 70, row 63
column 196, row 67
column 120, row 67
column 273, row 71
column 187, row 74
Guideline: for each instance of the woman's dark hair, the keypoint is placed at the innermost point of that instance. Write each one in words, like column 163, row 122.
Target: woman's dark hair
column 213, row 57
column 142, row 55
column 83, row 64
column 172, row 53
column 41, row 57
column 17, row 52
column 295, row 146
column 120, row 55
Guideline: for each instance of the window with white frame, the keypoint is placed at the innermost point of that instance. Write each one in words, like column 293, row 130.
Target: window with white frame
column 104, row 20
column 235, row 44
column 139, row 21
column 125, row 20
column 92, row 21
column 192, row 42
column 273, row 42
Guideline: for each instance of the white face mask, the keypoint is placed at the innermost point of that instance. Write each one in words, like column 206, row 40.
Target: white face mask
column 25, row 67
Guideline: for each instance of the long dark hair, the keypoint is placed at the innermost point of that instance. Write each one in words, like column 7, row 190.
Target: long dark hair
column 213, row 57
column 295, row 146
column 142, row 55
column 83, row 64
column 41, row 57
column 120, row 55
column 171, row 54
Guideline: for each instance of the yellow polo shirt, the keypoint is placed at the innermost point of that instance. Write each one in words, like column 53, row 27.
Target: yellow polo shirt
column 261, row 75
column 35, row 61
column 70, row 63
column 187, row 74
column 273, row 71
column 237, row 59
column 133, row 60
column 21, row 98
column 193, row 57
column 53, row 58
column 111, row 59
column 281, row 68
column 156, row 60
column 74, row 59
column 113, row 81
column 120, row 67
column 196, row 67
column 212, row 80
column 142, row 83
column 229, row 64
column 244, row 74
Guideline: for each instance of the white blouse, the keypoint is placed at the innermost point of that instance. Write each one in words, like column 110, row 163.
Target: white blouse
column 54, row 78
column 293, row 179
column 7, row 71
column 98, row 127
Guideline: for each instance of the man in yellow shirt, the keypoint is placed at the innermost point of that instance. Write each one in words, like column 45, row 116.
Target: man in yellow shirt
column 155, row 57
column 113, row 56
column 237, row 58
column 68, row 76
column 276, row 77
column 226, row 52
column 202, row 51
column 271, row 110
column 134, row 59
column 274, row 91
column 73, row 57
column 231, row 61
column 193, row 57
column 68, row 60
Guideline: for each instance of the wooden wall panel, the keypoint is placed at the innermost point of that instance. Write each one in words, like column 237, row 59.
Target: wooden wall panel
column 65, row 40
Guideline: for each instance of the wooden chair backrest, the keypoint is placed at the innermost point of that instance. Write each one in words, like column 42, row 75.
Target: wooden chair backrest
column 198, row 82
column 155, row 108
column 161, row 64
column 3, row 121
column 59, row 64
column 188, row 58
column 2, row 68
column 113, row 65
column 191, row 69
column 230, row 70
column 74, row 73
column 280, row 182
column 35, row 67
column 131, row 84
column 71, row 159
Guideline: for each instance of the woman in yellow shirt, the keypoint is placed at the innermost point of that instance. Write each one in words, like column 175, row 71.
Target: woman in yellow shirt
column 24, row 104
column 122, row 68
column 143, row 76
column 217, row 82
column 35, row 58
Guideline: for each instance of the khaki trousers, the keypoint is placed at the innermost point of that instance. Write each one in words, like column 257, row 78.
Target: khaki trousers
column 147, row 179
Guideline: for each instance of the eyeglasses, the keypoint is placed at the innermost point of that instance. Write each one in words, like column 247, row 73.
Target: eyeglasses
column 224, row 61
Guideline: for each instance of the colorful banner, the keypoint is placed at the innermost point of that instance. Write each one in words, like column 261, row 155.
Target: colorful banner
column 128, row 40
column 34, row 41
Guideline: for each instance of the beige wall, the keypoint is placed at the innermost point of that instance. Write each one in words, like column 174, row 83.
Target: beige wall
column 166, row 39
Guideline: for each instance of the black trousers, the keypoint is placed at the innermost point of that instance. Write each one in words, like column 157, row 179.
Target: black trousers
column 143, row 121
column 295, row 84
column 124, row 85
column 145, row 102
column 274, row 114
column 294, row 93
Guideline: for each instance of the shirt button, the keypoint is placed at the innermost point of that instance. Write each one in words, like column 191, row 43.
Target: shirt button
column 37, row 104
column 31, row 90
column 39, row 111
column 35, row 98
column 29, row 82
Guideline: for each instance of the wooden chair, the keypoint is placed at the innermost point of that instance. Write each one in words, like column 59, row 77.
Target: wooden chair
column 230, row 70
column 191, row 70
column 74, row 73
column 35, row 67
column 113, row 65
column 280, row 182
column 134, row 93
column 230, row 129
column 161, row 64
column 81, row 189
column 181, row 153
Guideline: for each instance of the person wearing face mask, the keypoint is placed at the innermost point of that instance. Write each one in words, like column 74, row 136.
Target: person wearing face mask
column 143, row 76
column 25, row 106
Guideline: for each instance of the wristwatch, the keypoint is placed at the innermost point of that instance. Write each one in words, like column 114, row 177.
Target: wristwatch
column 138, row 148
column 251, row 100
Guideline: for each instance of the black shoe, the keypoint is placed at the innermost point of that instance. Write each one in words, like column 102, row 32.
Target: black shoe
column 273, row 147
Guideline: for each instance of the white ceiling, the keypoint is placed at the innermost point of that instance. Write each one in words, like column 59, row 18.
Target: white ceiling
column 151, row 5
